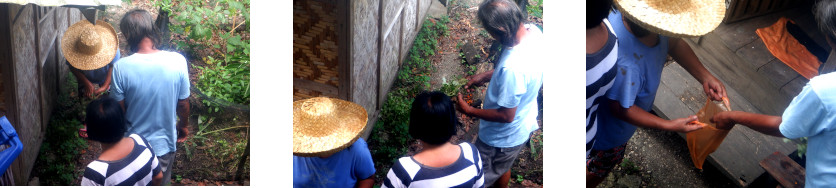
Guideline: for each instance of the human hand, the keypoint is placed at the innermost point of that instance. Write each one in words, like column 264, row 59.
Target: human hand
column 475, row 80
column 724, row 120
column 461, row 105
column 88, row 90
column 685, row 125
column 100, row 91
column 182, row 133
column 714, row 89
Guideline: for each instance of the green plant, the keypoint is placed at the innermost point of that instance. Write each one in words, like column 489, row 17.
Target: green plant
column 452, row 88
column 178, row 178
column 801, row 145
column 519, row 178
column 536, row 9
column 629, row 167
column 220, row 27
column 62, row 146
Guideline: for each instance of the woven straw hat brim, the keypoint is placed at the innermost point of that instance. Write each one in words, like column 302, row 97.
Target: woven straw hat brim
column 84, row 61
column 675, row 18
column 337, row 125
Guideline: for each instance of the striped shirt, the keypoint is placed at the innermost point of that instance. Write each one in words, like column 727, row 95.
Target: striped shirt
column 465, row 172
column 600, row 74
column 136, row 169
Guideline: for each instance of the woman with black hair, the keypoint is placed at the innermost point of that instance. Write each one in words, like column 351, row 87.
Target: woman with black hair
column 439, row 164
column 124, row 160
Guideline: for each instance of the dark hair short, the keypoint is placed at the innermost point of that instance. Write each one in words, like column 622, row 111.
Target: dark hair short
column 105, row 120
column 136, row 25
column 502, row 19
column 596, row 11
column 825, row 13
column 432, row 119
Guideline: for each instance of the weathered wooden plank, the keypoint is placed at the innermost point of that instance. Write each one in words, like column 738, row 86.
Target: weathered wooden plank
column 779, row 74
column 724, row 64
column 794, row 87
column 786, row 171
column 756, row 53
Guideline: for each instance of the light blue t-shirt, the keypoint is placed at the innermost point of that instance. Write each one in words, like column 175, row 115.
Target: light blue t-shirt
column 639, row 70
column 516, row 81
column 343, row 169
column 812, row 114
column 151, row 85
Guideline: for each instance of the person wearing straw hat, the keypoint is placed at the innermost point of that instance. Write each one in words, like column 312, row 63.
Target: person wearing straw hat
column 648, row 32
column 432, row 121
column 153, row 87
column 327, row 148
column 90, row 51
column 811, row 113
column 509, row 112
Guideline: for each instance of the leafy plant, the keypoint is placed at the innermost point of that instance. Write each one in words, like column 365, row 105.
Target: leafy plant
column 62, row 146
column 536, row 9
column 801, row 145
column 519, row 178
column 225, row 80
column 452, row 88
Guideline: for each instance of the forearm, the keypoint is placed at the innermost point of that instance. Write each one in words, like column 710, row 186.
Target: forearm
column 682, row 53
column 183, row 112
column 106, row 83
column 765, row 124
column 505, row 115
column 80, row 77
column 639, row 117
column 366, row 183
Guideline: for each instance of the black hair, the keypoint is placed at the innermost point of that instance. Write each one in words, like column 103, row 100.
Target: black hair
column 432, row 118
column 596, row 11
column 825, row 13
column 637, row 30
column 502, row 19
column 105, row 120
column 136, row 25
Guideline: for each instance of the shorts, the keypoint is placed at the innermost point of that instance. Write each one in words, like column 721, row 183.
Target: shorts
column 600, row 163
column 166, row 163
column 496, row 161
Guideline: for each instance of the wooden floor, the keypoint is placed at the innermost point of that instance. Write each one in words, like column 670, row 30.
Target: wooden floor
column 756, row 82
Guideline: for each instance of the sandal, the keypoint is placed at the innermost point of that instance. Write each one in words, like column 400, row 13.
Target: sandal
column 83, row 132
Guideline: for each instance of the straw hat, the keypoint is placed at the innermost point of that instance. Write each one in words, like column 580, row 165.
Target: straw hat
column 675, row 18
column 323, row 126
column 89, row 47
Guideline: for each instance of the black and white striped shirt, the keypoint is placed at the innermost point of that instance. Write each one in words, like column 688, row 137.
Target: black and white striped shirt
column 600, row 75
column 465, row 172
column 136, row 169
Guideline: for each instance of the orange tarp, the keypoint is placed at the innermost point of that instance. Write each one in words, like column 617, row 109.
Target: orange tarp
column 787, row 49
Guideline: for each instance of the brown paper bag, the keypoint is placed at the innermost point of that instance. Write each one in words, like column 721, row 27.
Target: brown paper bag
column 703, row 142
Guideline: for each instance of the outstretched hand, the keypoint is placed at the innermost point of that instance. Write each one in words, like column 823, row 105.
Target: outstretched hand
column 461, row 105
column 723, row 120
column 182, row 133
column 686, row 125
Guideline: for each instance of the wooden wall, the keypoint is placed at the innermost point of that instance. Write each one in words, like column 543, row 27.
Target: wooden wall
column 33, row 70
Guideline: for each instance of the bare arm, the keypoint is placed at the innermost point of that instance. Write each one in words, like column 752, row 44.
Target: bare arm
column 106, row 83
column 684, row 55
column 157, row 180
column 637, row 116
column 183, row 115
column 366, row 183
column 82, row 80
column 765, row 124
column 478, row 79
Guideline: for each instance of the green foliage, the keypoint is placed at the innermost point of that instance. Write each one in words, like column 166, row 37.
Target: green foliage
column 629, row 167
column 452, row 88
column 62, row 146
column 390, row 138
column 801, row 145
column 519, row 178
column 536, row 9
column 214, row 26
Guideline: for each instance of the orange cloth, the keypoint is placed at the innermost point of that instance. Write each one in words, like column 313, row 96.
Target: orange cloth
column 705, row 141
column 787, row 49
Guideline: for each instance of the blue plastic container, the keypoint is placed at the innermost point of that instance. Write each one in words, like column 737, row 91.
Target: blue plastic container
column 8, row 136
